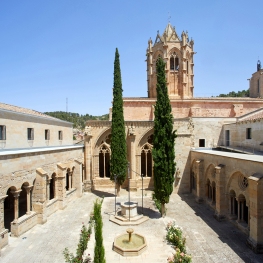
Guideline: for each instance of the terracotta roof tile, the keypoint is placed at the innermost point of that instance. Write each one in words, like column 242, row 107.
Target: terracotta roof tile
column 24, row 110
column 255, row 115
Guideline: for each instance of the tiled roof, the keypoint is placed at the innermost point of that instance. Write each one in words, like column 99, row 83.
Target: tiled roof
column 24, row 111
column 252, row 116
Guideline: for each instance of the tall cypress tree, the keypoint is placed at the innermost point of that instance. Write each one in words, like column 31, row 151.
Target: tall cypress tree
column 118, row 162
column 163, row 140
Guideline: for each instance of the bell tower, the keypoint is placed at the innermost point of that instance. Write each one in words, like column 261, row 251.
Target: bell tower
column 178, row 53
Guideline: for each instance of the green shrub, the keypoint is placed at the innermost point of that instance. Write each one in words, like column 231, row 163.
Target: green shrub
column 157, row 203
column 174, row 236
column 179, row 257
column 99, row 251
column 82, row 245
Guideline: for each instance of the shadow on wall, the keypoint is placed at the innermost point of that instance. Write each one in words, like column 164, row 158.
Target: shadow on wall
column 225, row 230
column 184, row 181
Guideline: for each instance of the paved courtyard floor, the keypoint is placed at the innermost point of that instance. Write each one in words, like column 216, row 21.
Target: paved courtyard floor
column 207, row 239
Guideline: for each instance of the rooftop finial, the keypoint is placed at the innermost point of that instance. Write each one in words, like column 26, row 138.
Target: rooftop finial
column 258, row 65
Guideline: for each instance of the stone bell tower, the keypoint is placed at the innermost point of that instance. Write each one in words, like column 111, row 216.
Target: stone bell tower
column 178, row 54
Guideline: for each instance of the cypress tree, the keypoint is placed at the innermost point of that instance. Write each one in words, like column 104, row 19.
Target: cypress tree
column 118, row 162
column 163, row 140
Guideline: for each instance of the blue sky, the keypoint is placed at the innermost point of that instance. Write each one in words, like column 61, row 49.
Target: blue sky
column 56, row 49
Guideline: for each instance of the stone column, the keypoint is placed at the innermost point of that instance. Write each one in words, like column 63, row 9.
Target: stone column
column 69, row 180
column 242, row 210
column 16, row 195
column 48, row 189
column 255, row 189
column 199, row 172
column 3, row 231
column 28, row 198
column 2, row 199
column 238, row 210
column 78, row 177
column 39, row 195
column 132, row 136
column 88, row 160
column 61, row 185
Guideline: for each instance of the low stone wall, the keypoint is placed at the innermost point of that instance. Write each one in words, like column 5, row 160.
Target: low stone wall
column 3, row 238
column 52, row 207
column 23, row 224
column 71, row 194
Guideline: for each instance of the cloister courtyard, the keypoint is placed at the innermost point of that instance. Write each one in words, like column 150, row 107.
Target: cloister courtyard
column 207, row 240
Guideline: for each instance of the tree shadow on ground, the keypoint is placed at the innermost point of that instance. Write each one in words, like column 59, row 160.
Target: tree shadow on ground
column 102, row 193
column 227, row 232
column 146, row 211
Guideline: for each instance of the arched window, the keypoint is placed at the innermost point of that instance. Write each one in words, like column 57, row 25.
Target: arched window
column 52, row 186
column 104, row 161
column 243, row 209
column 233, row 203
column 174, row 62
column 146, row 160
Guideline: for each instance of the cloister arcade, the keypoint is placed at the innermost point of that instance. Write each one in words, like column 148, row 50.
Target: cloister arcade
column 139, row 156
column 45, row 193
column 227, row 194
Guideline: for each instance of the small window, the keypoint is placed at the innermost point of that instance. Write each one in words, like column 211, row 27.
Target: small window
column 47, row 135
column 30, row 133
column 60, row 135
column 2, row 132
column 249, row 133
column 201, row 142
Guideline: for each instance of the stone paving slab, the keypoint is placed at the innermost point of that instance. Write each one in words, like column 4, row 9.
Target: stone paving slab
column 207, row 240
column 45, row 243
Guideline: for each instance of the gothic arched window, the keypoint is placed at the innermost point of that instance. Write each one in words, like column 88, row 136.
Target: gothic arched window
column 104, row 161
column 174, row 62
column 146, row 160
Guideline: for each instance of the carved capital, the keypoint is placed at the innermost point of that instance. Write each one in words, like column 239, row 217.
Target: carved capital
column 16, row 193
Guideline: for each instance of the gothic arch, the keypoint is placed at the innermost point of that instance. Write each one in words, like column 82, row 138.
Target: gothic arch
column 143, row 139
column 156, row 55
column 146, row 160
column 101, row 138
column 175, row 50
column 104, row 160
column 236, row 184
column 210, row 172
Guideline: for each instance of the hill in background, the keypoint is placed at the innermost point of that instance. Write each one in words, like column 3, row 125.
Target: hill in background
column 78, row 120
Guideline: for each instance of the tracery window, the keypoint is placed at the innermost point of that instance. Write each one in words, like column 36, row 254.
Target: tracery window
column 104, row 161
column 174, row 62
column 146, row 160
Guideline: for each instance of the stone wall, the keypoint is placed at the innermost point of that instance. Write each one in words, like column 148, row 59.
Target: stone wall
column 33, row 169
column 142, row 109
column 256, row 85
column 240, row 174
column 238, row 133
column 16, row 131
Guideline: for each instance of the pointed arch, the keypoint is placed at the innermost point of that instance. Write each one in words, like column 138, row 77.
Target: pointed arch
column 146, row 160
column 104, row 160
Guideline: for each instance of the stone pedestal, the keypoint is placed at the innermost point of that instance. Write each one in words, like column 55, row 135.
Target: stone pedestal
column 129, row 209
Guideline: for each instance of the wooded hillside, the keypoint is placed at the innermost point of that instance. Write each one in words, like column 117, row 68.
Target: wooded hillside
column 78, row 120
